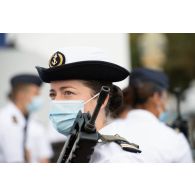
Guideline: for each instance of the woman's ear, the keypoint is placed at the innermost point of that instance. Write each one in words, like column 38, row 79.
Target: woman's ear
column 156, row 97
column 105, row 102
column 154, row 104
column 158, row 102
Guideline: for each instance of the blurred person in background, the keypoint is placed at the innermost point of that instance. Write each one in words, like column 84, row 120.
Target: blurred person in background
column 22, row 138
column 147, row 97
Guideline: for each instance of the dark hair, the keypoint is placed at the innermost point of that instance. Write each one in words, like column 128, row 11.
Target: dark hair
column 116, row 95
column 137, row 93
column 126, row 106
column 140, row 91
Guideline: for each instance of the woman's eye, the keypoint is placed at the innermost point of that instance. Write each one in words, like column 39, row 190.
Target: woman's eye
column 68, row 93
column 52, row 95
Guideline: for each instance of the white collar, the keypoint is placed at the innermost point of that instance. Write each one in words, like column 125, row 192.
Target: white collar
column 144, row 114
column 107, row 126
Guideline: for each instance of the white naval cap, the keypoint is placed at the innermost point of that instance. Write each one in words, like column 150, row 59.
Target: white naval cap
column 86, row 63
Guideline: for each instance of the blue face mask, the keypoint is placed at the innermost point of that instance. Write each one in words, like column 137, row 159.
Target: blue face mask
column 164, row 117
column 35, row 104
column 63, row 113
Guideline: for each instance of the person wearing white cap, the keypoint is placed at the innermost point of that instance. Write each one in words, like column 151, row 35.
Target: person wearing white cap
column 76, row 76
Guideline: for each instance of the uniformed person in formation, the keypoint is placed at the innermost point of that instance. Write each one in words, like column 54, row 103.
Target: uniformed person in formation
column 147, row 98
column 76, row 76
column 22, row 138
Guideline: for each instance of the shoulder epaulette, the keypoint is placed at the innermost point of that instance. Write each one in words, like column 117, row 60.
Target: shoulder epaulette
column 125, row 145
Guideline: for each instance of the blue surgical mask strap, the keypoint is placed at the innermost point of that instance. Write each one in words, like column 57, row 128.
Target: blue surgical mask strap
column 91, row 98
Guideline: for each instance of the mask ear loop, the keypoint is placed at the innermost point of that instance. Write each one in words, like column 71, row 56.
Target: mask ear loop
column 91, row 98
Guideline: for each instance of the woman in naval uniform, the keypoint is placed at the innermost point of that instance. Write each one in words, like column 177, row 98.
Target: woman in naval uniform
column 76, row 75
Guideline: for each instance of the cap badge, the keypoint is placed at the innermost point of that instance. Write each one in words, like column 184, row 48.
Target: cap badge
column 57, row 59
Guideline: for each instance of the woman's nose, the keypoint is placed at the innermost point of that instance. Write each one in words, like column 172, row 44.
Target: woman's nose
column 59, row 97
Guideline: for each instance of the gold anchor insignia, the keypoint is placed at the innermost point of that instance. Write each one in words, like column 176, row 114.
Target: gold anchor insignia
column 53, row 60
column 57, row 59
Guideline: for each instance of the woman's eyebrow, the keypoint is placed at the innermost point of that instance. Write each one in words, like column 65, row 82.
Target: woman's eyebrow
column 62, row 88
column 51, row 90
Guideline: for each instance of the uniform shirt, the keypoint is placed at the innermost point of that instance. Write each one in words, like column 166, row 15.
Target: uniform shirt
column 113, row 153
column 12, row 124
column 38, row 142
column 158, row 142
